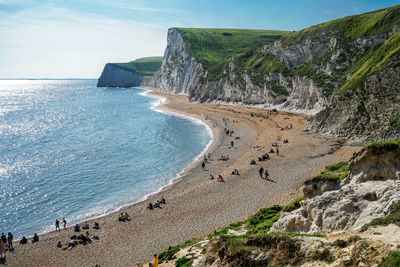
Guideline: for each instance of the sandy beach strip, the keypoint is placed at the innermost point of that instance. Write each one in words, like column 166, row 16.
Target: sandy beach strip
column 196, row 205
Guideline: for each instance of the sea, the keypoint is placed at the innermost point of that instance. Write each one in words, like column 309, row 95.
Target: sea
column 71, row 150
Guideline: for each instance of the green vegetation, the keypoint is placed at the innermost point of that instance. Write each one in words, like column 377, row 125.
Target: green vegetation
column 392, row 260
column 294, row 205
column 169, row 254
column 393, row 217
column 386, row 146
column 352, row 27
column 320, row 255
column 213, row 46
column 332, row 172
column 146, row 66
column 395, row 122
column 183, row 262
column 379, row 60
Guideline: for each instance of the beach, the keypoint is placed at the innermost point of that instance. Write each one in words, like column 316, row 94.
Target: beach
column 196, row 205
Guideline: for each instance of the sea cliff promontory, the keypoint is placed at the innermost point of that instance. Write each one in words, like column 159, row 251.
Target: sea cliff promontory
column 129, row 74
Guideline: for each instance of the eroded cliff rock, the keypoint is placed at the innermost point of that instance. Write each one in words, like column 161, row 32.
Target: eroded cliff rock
column 346, row 71
column 370, row 191
column 116, row 76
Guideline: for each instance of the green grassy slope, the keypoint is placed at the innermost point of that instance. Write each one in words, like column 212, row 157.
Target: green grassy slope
column 212, row 46
column 353, row 27
column 145, row 66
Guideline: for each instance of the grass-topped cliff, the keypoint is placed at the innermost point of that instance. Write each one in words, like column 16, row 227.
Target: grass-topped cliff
column 212, row 46
column 145, row 66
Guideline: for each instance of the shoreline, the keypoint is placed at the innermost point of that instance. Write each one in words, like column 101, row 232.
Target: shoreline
column 195, row 205
column 179, row 175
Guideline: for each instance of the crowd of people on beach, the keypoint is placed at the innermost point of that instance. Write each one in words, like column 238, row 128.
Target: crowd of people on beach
column 157, row 204
column 80, row 238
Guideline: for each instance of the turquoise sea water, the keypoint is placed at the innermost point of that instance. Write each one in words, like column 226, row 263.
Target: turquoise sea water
column 69, row 149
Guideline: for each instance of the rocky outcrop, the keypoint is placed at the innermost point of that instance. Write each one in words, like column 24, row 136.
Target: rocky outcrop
column 370, row 191
column 116, row 76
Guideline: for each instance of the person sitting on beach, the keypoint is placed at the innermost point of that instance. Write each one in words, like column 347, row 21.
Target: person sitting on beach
column 71, row 244
column 59, row 244
column 35, row 238
column 96, row 225
column 23, row 240
column 83, row 239
column 77, row 228
column 162, row 201
column 235, row 172
column 285, row 141
column 150, row 206
column 121, row 217
column 253, row 162
column 271, row 150
column 127, row 217
column 274, row 144
column 212, row 177
column 88, row 237
column 227, row 157
column 221, row 179
column 157, row 204
column 85, row 226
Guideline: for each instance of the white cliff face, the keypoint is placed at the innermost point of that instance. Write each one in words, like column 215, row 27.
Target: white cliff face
column 179, row 72
column 311, row 69
column 115, row 76
column 370, row 191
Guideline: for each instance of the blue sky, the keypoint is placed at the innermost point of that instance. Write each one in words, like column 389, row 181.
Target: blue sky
column 66, row 38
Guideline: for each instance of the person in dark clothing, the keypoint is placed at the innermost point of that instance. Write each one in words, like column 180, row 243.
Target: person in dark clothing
column 4, row 239
column 10, row 240
column 266, row 174
column 23, row 240
column 260, row 171
column 35, row 238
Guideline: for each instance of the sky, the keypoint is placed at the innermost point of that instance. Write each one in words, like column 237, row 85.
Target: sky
column 76, row 38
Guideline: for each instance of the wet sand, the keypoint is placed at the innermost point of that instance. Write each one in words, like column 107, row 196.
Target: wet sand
column 196, row 205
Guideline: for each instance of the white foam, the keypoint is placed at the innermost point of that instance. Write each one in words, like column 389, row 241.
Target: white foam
column 96, row 213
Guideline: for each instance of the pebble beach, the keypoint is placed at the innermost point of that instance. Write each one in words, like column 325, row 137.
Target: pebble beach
column 196, row 205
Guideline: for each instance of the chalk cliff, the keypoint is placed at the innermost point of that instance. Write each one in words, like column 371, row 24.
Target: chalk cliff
column 346, row 72
column 116, row 76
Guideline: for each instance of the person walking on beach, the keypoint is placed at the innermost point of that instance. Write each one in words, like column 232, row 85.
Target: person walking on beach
column 57, row 225
column 155, row 260
column 10, row 240
column 203, row 165
column 65, row 223
column 260, row 171
column 277, row 151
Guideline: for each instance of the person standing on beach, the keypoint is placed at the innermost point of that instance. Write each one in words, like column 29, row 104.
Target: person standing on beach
column 155, row 260
column 4, row 239
column 2, row 250
column 260, row 171
column 58, row 225
column 65, row 223
column 203, row 165
column 277, row 151
column 10, row 240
